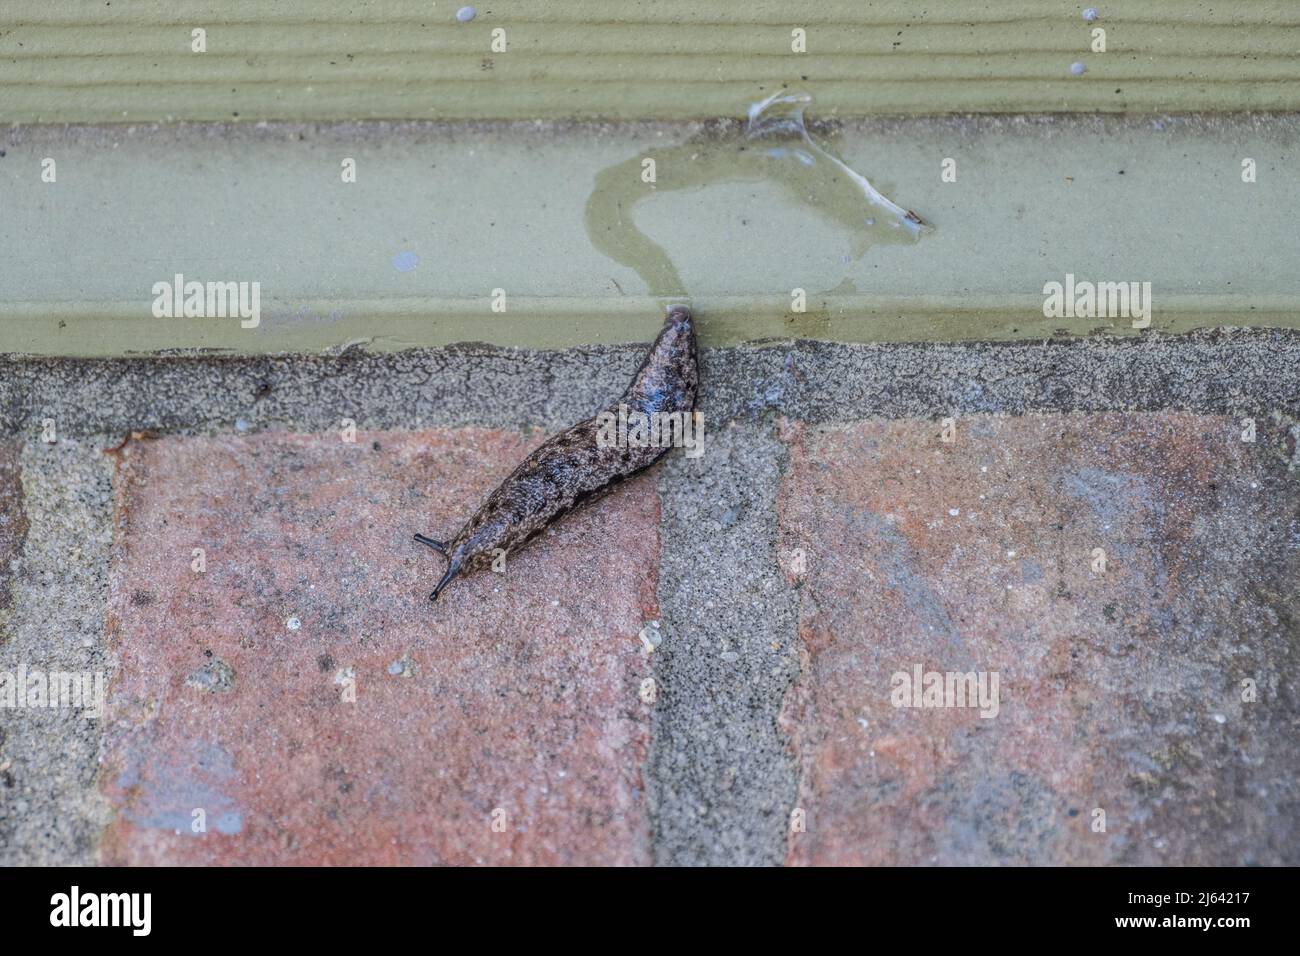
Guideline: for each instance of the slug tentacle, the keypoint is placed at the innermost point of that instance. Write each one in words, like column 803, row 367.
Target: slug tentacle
column 453, row 568
column 438, row 546
column 579, row 464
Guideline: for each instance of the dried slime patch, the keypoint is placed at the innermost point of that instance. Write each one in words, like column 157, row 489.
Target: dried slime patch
column 773, row 146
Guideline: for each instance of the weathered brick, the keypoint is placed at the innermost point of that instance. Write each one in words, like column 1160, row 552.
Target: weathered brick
column 1120, row 690
column 515, row 691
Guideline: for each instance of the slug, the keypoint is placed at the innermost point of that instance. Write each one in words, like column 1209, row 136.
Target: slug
column 573, row 467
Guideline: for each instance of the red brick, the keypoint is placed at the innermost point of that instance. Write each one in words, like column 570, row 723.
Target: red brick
column 520, row 691
column 1105, row 702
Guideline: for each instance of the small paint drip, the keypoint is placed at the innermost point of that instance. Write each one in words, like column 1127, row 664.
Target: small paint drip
column 405, row 261
column 1090, row 15
column 1078, row 69
column 466, row 14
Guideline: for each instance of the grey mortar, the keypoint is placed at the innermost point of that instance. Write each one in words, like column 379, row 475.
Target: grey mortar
column 721, row 776
column 1222, row 371
column 51, row 812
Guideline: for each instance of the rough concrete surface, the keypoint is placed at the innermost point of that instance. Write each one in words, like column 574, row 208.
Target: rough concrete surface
column 762, row 669
column 51, row 811
column 720, row 774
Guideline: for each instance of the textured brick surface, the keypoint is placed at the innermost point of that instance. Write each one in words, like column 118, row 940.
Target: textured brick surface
column 515, row 692
column 1120, row 690
column 1113, row 687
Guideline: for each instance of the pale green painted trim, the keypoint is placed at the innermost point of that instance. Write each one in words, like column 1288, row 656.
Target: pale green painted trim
column 81, row 62
column 489, row 207
column 96, row 331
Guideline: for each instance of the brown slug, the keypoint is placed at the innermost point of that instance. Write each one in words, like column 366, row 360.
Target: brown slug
column 575, row 466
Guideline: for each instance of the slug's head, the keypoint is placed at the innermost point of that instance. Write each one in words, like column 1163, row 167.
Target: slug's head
column 680, row 317
column 669, row 376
